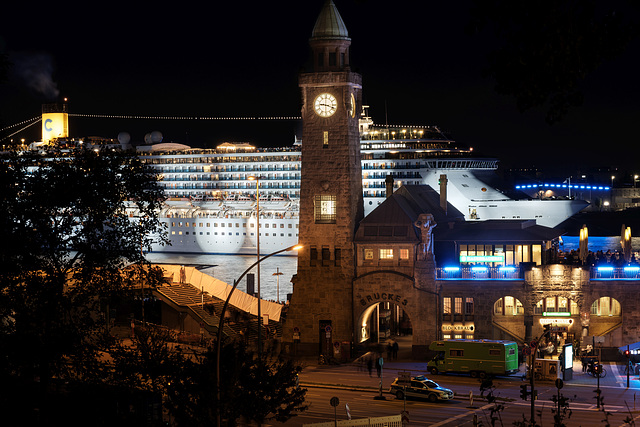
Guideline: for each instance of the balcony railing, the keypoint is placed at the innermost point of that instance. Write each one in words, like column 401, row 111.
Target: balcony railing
column 630, row 272
column 478, row 272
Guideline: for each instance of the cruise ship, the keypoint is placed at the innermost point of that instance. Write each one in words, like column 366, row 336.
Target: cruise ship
column 212, row 197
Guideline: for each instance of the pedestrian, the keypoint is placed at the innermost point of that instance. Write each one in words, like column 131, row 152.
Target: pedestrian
column 369, row 364
column 389, row 350
column 395, row 349
column 378, row 366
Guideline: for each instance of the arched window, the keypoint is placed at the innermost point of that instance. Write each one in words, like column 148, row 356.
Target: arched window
column 606, row 306
column 508, row 306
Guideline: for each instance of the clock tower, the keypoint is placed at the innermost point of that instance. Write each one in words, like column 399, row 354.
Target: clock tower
column 331, row 203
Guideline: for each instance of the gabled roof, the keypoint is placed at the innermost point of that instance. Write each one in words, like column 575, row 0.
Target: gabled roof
column 394, row 219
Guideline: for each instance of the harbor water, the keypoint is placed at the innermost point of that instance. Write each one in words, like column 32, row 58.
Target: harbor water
column 229, row 267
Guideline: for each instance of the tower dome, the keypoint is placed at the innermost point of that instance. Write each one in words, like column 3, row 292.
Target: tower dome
column 329, row 24
column 330, row 40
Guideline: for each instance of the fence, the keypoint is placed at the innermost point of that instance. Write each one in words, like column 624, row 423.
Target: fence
column 479, row 272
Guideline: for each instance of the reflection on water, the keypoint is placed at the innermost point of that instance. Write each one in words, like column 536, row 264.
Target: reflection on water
column 229, row 267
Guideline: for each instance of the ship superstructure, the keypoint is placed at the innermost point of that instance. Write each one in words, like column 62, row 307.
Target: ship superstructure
column 211, row 205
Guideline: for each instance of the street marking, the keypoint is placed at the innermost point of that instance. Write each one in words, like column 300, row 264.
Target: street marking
column 441, row 423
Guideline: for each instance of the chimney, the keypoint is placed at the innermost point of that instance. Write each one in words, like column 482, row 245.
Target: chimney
column 443, row 192
column 388, row 182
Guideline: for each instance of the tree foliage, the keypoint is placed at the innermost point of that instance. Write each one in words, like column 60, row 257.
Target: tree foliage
column 548, row 48
column 256, row 390
column 67, row 237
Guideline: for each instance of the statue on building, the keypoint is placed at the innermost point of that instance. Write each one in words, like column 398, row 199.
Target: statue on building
column 425, row 223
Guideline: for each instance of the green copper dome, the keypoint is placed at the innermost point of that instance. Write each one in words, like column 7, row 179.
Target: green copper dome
column 329, row 24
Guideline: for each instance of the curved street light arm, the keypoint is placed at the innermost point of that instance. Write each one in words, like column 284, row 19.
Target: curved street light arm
column 221, row 324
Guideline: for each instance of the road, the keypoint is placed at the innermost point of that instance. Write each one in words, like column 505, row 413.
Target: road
column 353, row 386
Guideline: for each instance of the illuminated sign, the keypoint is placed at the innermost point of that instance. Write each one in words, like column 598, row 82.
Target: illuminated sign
column 556, row 321
column 556, row 314
column 481, row 258
column 458, row 327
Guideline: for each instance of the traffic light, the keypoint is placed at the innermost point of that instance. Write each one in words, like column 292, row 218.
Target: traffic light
column 597, row 369
column 523, row 392
column 627, row 354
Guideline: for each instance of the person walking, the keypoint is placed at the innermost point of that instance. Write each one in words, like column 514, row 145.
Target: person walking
column 378, row 366
column 370, row 364
column 395, row 348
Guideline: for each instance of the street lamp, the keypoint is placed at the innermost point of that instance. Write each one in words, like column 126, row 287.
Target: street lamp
column 278, row 273
column 224, row 309
column 257, row 180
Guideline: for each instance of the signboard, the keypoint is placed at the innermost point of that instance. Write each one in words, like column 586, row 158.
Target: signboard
column 482, row 258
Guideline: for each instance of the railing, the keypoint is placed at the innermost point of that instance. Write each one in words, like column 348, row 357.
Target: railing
column 630, row 272
column 479, row 272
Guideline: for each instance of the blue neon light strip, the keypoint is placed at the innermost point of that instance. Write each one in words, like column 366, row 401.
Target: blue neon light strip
column 577, row 186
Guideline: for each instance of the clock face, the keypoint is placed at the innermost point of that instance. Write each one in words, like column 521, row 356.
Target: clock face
column 353, row 106
column 325, row 105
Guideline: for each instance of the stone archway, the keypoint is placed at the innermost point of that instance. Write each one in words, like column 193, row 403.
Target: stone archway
column 381, row 321
column 394, row 289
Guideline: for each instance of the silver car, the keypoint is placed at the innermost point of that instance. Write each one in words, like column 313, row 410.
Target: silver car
column 420, row 387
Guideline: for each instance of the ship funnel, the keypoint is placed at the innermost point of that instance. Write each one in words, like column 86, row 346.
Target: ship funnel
column 55, row 122
column 443, row 192
column 388, row 182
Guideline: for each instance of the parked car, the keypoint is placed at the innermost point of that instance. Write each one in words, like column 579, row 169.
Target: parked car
column 420, row 387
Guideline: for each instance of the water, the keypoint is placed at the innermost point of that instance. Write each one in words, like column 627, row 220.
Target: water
column 229, row 267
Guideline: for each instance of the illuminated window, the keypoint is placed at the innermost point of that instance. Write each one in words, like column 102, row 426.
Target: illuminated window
column 404, row 254
column 368, row 254
column 386, row 254
column 457, row 306
column 325, row 209
column 606, row 306
column 446, row 305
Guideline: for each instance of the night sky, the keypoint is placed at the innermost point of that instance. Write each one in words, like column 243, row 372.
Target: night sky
column 242, row 59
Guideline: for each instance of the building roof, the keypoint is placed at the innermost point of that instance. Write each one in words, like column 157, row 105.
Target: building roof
column 394, row 219
column 329, row 24
column 507, row 230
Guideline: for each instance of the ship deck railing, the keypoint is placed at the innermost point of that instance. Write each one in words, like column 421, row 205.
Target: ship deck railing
column 479, row 272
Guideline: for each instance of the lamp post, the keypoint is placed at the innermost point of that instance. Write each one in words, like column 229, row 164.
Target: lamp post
column 221, row 322
column 278, row 273
column 257, row 180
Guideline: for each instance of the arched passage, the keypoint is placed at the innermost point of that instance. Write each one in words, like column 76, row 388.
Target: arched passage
column 380, row 322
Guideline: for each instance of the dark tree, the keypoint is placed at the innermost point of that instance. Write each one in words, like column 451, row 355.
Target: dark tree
column 548, row 48
column 250, row 389
column 69, row 224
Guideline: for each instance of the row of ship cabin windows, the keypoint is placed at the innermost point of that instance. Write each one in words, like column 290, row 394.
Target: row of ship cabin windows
column 510, row 306
column 230, row 225
column 215, row 233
